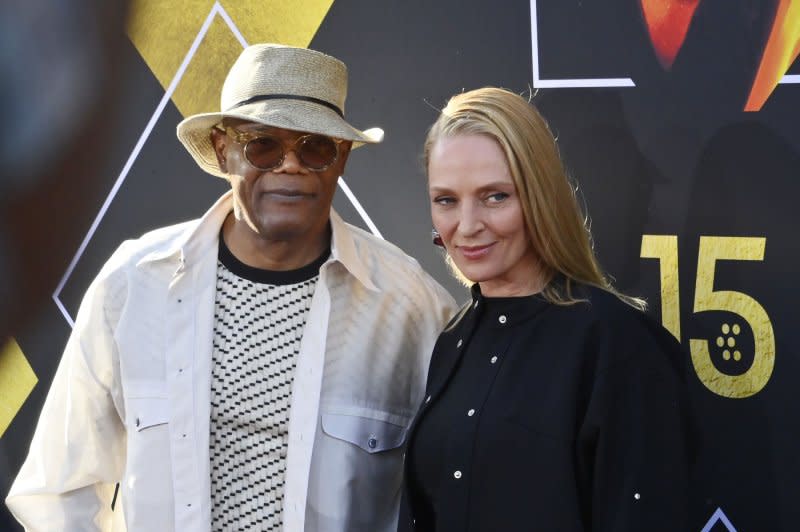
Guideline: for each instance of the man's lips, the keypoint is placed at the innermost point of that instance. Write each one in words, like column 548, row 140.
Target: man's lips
column 287, row 194
column 475, row 252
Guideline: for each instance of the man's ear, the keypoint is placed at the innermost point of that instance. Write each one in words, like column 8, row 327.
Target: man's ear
column 219, row 139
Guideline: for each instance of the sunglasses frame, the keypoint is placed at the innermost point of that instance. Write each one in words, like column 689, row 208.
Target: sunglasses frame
column 245, row 138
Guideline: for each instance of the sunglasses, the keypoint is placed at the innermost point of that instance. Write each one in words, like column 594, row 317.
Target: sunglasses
column 265, row 152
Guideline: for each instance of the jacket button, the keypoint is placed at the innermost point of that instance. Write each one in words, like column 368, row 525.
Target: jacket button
column 457, row 474
column 460, row 342
column 502, row 318
column 493, row 360
column 471, row 412
column 428, row 399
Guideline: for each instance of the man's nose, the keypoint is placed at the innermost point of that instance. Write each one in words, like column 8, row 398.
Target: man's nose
column 291, row 162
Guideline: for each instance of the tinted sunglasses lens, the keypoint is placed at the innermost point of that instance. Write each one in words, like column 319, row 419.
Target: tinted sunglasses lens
column 264, row 153
column 317, row 152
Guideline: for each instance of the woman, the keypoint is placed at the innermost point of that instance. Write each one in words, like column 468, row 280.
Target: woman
column 553, row 402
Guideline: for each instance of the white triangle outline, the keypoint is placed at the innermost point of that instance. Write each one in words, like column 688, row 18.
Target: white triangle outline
column 216, row 9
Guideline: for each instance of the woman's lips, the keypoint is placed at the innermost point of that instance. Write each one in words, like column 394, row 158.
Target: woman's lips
column 474, row 252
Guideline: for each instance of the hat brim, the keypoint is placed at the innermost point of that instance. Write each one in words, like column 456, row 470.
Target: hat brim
column 297, row 115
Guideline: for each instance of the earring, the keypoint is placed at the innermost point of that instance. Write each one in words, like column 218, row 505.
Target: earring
column 437, row 238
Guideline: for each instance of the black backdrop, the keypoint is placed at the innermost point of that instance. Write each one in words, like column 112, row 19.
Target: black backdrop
column 660, row 164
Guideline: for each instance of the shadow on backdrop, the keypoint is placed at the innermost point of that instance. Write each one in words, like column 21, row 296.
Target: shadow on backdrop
column 58, row 98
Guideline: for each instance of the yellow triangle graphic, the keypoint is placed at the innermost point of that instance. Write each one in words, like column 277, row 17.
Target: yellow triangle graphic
column 163, row 33
column 17, row 380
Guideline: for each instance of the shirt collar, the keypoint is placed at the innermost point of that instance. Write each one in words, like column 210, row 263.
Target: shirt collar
column 198, row 238
column 344, row 250
column 194, row 243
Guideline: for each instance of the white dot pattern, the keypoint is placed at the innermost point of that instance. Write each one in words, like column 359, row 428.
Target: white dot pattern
column 257, row 333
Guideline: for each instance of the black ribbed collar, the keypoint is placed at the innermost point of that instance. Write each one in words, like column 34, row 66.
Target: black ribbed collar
column 273, row 277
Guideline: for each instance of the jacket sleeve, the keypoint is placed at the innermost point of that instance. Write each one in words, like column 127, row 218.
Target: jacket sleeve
column 77, row 453
column 635, row 442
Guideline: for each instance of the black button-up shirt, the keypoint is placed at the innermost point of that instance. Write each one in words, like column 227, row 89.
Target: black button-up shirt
column 549, row 417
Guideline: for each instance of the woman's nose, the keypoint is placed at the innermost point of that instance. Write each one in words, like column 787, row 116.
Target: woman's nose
column 470, row 221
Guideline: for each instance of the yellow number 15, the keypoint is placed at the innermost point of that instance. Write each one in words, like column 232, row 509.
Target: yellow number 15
column 712, row 249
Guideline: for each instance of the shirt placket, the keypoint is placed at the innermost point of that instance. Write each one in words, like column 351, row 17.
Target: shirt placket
column 484, row 365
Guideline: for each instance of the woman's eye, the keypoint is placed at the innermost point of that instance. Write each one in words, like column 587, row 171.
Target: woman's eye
column 497, row 197
column 444, row 200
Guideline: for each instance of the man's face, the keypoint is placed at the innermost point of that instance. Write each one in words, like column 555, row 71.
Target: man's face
column 288, row 203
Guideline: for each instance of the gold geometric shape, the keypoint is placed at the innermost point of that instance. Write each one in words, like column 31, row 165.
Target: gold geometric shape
column 781, row 50
column 163, row 33
column 17, row 380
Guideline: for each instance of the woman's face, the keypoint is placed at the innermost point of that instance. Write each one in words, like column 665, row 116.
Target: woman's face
column 476, row 210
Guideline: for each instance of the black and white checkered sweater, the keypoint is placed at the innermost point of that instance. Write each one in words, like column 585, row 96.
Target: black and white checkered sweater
column 259, row 317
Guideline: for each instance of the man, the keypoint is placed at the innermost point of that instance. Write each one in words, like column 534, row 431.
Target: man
column 256, row 368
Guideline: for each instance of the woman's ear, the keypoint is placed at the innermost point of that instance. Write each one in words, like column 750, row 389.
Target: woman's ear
column 437, row 238
column 219, row 139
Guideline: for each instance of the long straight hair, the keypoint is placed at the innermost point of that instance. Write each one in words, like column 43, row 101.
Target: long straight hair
column 557, row 228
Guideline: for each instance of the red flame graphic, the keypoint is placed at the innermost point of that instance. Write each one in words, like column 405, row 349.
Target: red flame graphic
column 668, row 22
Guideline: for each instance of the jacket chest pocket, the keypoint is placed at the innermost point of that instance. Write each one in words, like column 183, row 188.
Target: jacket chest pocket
column 148, row 475
column 148, row 412
column 358, row 462
column 146, row 405
column 370, row 434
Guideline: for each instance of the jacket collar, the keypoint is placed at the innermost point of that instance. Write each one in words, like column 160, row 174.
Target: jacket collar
column 345, row 251
column 202, row 234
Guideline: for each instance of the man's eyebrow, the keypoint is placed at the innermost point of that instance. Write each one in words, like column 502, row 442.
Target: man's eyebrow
column 253, row 128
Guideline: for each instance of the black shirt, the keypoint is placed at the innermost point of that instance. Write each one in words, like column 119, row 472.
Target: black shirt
column 442, row 440
column 580, row 423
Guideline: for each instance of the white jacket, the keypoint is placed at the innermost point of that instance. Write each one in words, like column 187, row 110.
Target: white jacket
column 130, row 401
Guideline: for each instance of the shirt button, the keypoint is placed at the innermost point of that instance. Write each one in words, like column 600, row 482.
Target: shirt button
column 493, row 360
column 460, row 341
column 502, row 318
column 372, row 442
column 471, row 412
column 457, row 474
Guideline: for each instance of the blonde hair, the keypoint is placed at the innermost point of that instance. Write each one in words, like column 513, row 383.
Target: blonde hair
column 557, row 228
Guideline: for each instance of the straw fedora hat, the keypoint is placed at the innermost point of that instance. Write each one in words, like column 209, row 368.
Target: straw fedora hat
column 280, row 86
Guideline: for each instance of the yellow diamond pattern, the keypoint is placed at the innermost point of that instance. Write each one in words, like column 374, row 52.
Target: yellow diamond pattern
column 17, row 380
column 163, row 33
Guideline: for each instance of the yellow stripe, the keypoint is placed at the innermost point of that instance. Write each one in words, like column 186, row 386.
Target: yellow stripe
column 17, row 380
column 163, row 33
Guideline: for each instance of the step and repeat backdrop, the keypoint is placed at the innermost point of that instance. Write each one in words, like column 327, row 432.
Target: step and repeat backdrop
column 678, row 120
